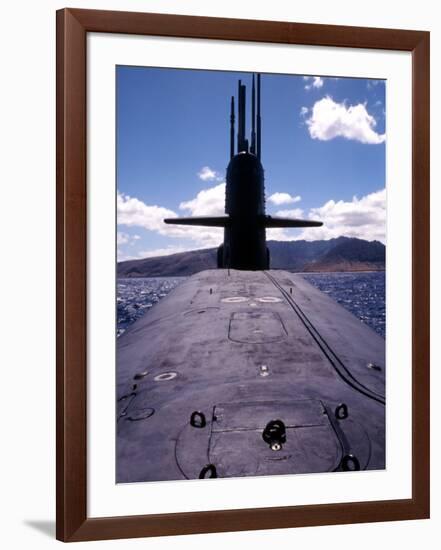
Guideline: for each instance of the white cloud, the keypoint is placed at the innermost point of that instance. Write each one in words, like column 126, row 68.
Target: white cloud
column 283, row 198
column 125, row 239
column 314, row 82
column 121, row 256
column 363, row 218
column 304, row 111
column 329, row 120
column 294, row 213
column 122, row 238
column 162, row 251
column 207, row 174
column 132, row 212
column 208, row 202
column 373, row 83
column 279, row 234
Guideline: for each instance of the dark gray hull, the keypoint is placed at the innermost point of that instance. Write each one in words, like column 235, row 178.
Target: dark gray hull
column 245, row 348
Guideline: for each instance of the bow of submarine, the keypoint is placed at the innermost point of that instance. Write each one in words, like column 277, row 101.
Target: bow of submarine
column 245, row 373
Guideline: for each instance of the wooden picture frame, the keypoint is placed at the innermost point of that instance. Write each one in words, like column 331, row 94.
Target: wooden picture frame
column 73, row 524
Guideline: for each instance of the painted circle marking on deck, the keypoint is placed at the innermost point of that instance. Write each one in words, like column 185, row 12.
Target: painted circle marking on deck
column 235, row 299
column 269, row 299
column 165, row 376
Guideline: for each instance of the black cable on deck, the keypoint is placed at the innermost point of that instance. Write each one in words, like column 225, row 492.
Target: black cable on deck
column 332, row 357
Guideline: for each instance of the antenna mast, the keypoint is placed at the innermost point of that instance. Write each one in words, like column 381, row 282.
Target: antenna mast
column 253, row 118
column 232, row 128
column 259, row 120
column 242, row 144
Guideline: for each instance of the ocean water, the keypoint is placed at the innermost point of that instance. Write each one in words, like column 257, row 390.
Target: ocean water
column 363, row 294
column 136, row 296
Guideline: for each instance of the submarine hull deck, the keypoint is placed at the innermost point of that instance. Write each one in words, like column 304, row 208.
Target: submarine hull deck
column 203, row 374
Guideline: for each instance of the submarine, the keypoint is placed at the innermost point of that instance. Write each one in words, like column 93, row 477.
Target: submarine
column 244, row 370
column 245, row 221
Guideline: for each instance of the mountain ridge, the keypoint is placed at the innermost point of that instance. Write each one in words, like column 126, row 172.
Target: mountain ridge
column 338, row 254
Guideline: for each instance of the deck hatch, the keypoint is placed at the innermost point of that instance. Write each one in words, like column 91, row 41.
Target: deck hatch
column 238, row 448
column 256, row 415
column 256, row 327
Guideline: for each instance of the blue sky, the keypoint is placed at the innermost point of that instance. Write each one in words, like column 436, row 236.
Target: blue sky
column 323, row 151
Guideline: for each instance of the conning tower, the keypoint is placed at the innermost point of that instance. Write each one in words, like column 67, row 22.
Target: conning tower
column 245, row 220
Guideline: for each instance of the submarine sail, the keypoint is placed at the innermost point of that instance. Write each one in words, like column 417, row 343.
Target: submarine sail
column 245, row 219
